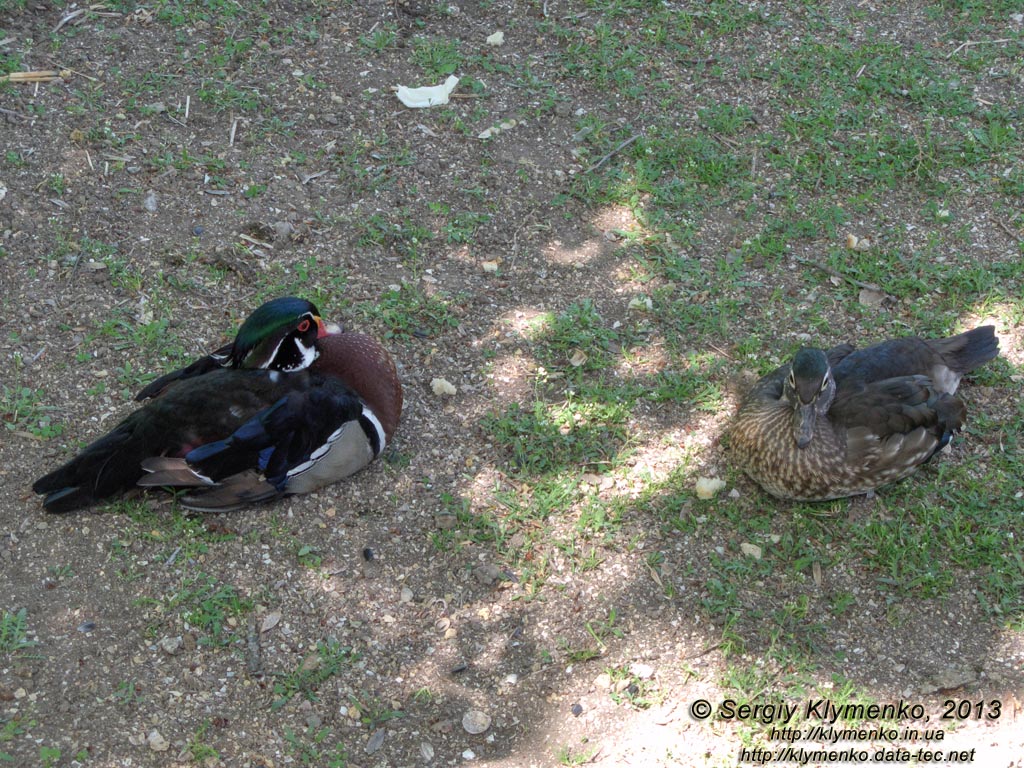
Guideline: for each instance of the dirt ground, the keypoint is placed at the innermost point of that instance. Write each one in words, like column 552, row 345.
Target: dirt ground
column 136, row 236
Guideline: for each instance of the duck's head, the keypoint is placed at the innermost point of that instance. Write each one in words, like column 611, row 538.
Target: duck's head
column 280, row 335
column 810, row 389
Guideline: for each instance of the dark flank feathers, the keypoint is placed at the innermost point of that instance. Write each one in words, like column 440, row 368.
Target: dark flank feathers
column 111, row 465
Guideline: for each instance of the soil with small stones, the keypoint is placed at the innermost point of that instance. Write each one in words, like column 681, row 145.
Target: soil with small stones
column 145, row 148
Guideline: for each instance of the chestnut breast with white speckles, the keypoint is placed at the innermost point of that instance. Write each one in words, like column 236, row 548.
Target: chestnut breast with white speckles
column 366, row 367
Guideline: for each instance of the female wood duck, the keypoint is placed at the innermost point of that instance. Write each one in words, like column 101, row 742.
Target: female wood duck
column 843, row 422
column 291, row 405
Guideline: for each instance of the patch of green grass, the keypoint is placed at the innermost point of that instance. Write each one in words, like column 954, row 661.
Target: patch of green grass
column 380, row 39
column 406, row 238
column 49, row 756
column 127, row 693
column 316, row 746
column 329, row 659
column 207, row 606
column 228, row 97
column 199, row 751
column 211, row 606
column 57, row 184
column 538, row 503
column 438, row 58
column 552, row 438
column 726, row 119
column 951, row 520
column 567, row 755
column 9, row 62
column 601, row 519
column 630, row 690
column 14, row 727
column 600, row 632
column 14, row 632
column 372, row 711
column 409, row 311
column 179, row 13
column 973, row 16
column 576, row 339
column 321, row 282
column 175, row 536
column 463, row 226
column 694, row 385
column 60, row 572
column 15, row 159
column 22, row 410
column 309, row 556
column 369, row 163
column 254, row 190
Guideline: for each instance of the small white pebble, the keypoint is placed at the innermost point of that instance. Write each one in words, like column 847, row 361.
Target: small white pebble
column 751, row 550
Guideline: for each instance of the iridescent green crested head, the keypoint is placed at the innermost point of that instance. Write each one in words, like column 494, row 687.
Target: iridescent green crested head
column 280, row 335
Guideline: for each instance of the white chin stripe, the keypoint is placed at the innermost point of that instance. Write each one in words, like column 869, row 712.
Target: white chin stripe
column 273, row 355
column 307, row 355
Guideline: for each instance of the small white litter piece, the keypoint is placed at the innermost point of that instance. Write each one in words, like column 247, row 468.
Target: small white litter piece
column 707, row 487
column 429, row 96
column 494, row 130
column 442, row 387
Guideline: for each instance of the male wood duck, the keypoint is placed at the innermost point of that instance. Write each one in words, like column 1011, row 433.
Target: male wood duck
column 843, row 422
column 291, row 405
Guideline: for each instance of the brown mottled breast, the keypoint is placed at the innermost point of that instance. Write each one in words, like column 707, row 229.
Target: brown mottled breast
column 365, row 366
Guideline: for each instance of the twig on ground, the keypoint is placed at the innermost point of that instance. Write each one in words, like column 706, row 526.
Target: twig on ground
column 614, row 152
column 969, row 43
column 840, row 275
column 35, row 76
column 1006, row 228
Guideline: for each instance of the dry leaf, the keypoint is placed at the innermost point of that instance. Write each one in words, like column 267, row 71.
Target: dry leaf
column 270, row 621
column 869, row 297
column 579, row 357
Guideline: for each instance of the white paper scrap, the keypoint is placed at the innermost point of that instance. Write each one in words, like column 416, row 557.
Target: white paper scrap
column 430, row 96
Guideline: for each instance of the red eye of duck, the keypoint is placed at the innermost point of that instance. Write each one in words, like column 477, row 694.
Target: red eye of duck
column 304, row 326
